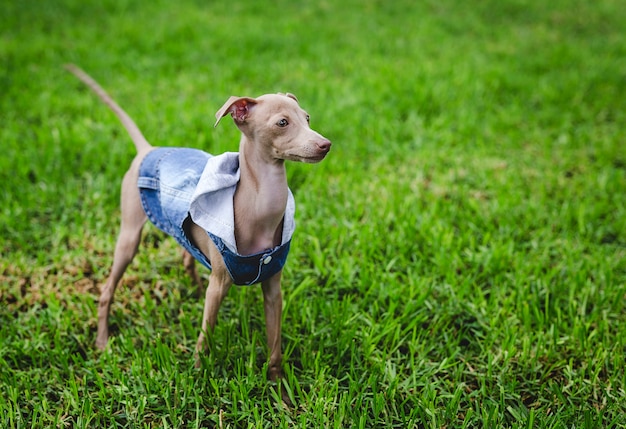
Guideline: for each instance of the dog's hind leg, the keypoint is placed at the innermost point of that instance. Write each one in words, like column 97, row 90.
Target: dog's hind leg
column 190, row 268
column 133, row 219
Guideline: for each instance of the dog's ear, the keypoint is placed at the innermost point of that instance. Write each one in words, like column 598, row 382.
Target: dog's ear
column 290, row 95
column 238, row 107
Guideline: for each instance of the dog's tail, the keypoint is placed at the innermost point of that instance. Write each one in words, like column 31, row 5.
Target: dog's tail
column 133, row 130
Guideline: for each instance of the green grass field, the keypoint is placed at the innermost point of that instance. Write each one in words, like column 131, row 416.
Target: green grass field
column 460, row 256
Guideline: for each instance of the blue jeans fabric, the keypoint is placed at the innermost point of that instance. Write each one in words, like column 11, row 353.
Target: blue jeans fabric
column 167, row 180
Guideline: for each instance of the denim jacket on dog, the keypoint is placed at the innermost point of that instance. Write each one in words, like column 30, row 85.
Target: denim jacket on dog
column 178, row 183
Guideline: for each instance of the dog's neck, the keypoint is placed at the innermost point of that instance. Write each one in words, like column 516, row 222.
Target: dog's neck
column 260, row 200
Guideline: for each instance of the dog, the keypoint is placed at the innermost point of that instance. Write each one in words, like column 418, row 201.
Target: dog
column 231, row 212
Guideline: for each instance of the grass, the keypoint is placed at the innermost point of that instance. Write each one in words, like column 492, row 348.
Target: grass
column 460, row 258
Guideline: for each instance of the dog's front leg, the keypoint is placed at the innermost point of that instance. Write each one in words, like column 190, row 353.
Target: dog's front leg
column 273, row 304
column 219, row 284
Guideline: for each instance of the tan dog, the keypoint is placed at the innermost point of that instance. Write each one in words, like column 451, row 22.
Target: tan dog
column 274, row 129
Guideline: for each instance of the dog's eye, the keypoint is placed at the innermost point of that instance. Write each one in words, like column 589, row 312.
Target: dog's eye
column 308, row 119
column 282, row 123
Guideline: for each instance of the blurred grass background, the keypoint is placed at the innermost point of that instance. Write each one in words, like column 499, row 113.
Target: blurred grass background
column 459, row 258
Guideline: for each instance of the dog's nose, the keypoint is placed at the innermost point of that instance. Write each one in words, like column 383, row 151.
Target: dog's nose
column 324, row 145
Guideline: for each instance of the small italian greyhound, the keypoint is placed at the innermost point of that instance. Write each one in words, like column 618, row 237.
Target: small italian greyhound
column 172, row 187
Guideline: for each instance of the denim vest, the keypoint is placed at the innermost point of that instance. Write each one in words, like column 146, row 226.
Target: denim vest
column 174, row 182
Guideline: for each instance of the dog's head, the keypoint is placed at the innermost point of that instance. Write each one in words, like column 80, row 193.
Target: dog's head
column 279, row 124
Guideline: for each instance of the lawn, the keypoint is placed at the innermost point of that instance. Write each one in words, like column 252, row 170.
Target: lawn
column 460, row 255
